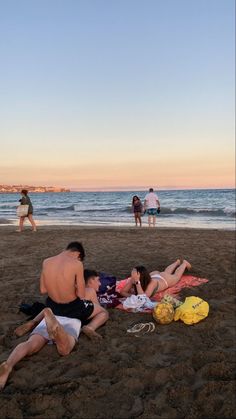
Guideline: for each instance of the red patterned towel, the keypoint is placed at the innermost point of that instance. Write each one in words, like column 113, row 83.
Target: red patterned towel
column 187, row 281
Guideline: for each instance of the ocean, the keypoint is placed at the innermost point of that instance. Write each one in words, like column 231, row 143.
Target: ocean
column 205, row 208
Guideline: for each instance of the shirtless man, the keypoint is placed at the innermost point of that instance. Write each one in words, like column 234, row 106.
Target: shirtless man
column 62, row 279
column 62, row 331
column 92, row 284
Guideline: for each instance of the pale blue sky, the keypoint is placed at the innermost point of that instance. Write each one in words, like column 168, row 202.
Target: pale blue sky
column 103, row 84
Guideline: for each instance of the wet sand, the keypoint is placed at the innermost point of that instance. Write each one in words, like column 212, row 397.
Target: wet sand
column 178, row 371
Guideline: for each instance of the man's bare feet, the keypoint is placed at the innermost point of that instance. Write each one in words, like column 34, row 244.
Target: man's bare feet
column 188, row 265
column 178, row 261
column 51, row 323
column 90, row 333
column 25, row 328
column 5, row 370
column 58, row 334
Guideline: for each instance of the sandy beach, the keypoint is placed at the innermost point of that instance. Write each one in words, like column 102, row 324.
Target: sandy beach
column 179, row 371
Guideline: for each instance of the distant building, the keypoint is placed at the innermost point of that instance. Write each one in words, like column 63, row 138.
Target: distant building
column 31, row 189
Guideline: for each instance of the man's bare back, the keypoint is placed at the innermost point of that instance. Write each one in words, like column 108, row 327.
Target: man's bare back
column 62, row 277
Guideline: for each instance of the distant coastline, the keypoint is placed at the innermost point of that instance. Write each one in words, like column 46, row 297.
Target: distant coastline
column 31, row 189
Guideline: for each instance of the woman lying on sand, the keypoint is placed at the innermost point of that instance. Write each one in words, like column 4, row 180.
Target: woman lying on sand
column 141, row 282
column 63, row 331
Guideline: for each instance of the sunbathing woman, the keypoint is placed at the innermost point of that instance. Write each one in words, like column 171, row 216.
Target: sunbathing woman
column 141, row 282
column 62, row 331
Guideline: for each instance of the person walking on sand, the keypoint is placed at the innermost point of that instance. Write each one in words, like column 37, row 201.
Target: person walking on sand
column 25, row 200
column 62, row 279
column 64, row 332
column 152, row 206
column 137, row 210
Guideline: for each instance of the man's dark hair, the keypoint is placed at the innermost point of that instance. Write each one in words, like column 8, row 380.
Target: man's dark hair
column 76, row 247
column 89, row 273
column 151, row 190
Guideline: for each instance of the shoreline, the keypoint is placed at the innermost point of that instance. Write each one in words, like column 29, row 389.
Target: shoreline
column 107, row 227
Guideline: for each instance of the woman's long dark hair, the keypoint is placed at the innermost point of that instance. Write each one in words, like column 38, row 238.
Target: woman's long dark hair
column 144, row 276
column 135, row 197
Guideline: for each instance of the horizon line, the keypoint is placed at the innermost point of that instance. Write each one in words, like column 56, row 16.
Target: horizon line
column 130, row 189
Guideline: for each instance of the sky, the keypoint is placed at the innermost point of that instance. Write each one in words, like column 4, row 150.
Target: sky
column 117, row 94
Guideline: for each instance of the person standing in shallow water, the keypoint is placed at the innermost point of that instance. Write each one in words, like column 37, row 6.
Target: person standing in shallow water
column 25, row 200
column 152, row 206
column 137, row 210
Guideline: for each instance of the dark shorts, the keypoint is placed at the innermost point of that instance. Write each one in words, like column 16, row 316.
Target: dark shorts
column 152, row 211
column 77, row 309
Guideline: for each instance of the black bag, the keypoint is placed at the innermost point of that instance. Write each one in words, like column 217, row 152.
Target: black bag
column 31, row 309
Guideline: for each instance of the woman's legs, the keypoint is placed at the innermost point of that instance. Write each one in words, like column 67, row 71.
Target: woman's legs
column 31, row 220
column 32, row 345
column 139, row 219
column 21, row 224
column 171, row 268
column 172, row 279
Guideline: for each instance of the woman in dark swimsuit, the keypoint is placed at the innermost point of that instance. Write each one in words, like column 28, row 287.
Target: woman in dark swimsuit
column 137, row 210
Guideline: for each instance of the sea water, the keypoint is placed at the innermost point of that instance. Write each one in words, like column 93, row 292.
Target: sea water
column 205, row 208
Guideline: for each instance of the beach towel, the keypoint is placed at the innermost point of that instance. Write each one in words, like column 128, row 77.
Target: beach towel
column 108, row 297
column 108, row 283
column 187, row 281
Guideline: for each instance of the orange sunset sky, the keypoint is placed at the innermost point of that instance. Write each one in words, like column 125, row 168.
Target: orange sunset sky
column 124, row 97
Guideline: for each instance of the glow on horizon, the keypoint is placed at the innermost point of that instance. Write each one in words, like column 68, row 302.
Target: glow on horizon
column 181, row 174
column 123, row 96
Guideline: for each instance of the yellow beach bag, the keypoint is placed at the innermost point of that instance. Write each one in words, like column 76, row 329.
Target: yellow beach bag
column 193, row 310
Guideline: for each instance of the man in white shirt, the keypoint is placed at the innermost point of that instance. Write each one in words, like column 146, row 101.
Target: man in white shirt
column 152, row 206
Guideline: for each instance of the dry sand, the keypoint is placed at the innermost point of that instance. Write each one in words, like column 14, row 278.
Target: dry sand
column 177, row 372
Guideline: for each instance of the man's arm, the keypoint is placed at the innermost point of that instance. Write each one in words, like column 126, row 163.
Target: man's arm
column 157, row 201
column 90, row 294
column 79, row 281
column 43, row 288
